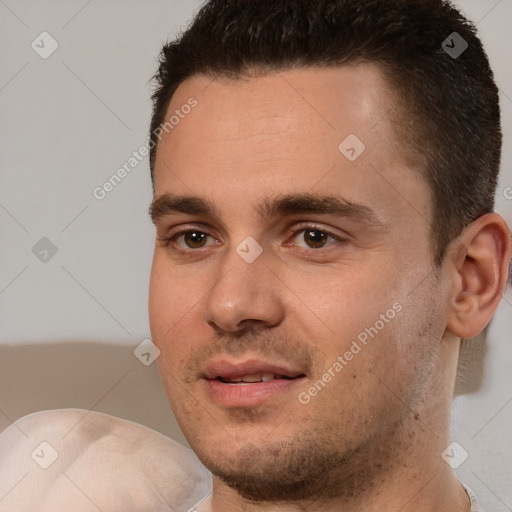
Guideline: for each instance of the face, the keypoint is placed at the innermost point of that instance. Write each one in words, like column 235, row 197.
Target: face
column 293, row 295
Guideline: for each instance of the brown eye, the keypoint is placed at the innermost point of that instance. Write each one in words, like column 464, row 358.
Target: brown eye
column 194, row 239
column 315, row 239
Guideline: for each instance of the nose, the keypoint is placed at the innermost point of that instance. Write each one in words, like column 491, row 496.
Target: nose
column 246, row 296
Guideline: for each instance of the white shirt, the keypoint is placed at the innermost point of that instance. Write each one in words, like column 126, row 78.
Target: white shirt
column 475, row 507
column 72, row 459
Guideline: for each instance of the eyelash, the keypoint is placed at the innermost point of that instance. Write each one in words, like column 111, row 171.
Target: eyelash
column 308, row 227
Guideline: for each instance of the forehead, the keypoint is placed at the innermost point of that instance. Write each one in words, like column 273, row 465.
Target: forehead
column 285, row 132
column 252, row 115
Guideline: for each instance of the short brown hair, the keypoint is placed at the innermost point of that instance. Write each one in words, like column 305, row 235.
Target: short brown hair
column 450, row 102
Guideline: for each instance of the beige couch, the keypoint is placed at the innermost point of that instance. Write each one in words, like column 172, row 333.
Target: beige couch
column 103, row 377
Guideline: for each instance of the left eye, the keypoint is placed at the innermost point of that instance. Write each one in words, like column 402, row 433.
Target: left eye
column 193, row 239
column 315, row 238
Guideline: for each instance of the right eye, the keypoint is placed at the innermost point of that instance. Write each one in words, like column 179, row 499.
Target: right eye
column 187, row 240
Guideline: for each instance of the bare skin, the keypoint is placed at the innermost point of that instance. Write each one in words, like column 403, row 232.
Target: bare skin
column 371, row 436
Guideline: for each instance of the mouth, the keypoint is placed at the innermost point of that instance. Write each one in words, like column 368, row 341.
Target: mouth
column 257, row 377
column 249, row 383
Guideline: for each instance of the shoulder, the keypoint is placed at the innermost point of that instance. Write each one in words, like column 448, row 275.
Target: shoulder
column 73, row 456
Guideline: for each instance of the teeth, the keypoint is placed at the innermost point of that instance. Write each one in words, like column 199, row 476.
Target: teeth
column 257, row 377
column 252, row 378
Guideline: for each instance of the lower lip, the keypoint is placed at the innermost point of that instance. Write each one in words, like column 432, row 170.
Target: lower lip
column 248, row 394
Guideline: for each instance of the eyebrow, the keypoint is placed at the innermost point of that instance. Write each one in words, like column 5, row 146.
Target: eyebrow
column 282, row 205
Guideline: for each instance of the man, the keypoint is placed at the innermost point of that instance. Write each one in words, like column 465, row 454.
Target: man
column 323, row 176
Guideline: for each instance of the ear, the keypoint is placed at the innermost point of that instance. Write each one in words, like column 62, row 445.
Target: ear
column 478, row 261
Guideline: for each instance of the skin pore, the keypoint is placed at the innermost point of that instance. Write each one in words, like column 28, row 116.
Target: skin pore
column 255, row 154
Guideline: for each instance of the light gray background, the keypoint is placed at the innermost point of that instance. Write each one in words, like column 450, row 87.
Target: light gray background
column 70, row 121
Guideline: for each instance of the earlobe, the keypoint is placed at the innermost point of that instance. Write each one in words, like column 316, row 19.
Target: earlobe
column 481, row 257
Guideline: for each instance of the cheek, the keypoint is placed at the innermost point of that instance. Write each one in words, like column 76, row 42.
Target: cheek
column 169, row 305
column 382, row 377
column 171, row 296
column 398, row 362
column 379, row 329
column 342, row 304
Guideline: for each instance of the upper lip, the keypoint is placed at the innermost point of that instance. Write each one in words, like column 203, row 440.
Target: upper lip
column 233, row 370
